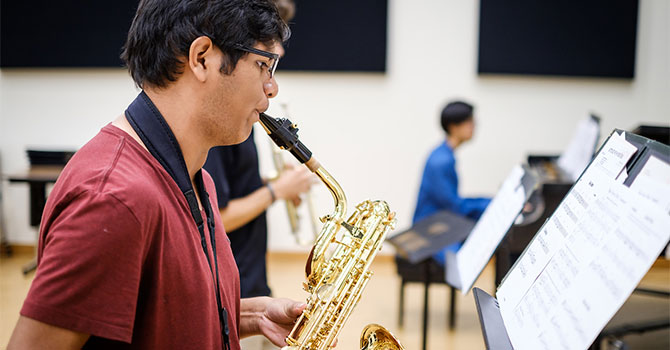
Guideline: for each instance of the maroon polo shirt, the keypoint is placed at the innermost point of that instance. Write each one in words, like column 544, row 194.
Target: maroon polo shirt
column 120, row 255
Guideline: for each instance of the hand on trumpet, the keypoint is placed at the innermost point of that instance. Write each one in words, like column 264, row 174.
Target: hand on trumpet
column 293, row 182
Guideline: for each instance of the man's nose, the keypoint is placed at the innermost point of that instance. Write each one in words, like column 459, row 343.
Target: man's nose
column 271, row 88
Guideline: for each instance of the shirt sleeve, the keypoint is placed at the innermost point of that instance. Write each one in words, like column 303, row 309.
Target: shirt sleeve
column 474, row 207
column 443, row 182
column 89, row 269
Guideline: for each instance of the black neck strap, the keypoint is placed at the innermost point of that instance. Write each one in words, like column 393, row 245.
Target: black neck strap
column 157, row 136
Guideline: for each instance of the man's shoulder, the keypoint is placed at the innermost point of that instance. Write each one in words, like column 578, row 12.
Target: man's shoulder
column 440, row 156
column 113, row 164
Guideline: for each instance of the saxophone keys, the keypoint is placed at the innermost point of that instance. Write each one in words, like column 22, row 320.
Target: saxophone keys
column 305, row 287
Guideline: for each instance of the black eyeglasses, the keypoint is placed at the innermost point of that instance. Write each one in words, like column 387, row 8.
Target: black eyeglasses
column 274, row 58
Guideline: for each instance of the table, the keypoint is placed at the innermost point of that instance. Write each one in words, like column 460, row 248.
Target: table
column 37, row 178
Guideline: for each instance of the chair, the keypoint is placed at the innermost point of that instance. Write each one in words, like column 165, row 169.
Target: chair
column 427, row 271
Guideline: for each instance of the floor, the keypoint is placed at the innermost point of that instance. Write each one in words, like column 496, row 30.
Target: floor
column 379, row 303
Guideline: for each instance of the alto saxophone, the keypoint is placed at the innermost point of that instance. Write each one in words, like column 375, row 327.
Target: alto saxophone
column 338, row 266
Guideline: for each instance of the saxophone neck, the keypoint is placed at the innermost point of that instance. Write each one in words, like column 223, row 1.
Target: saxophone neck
column 285, row 135
column 335, row 190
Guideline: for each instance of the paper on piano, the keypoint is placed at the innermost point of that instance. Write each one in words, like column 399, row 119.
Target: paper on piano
column 580, row 150
column 490, row 229
column 614, row 155
column 608, row 164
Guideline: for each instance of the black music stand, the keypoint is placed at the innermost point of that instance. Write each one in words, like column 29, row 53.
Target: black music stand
column 415, row 247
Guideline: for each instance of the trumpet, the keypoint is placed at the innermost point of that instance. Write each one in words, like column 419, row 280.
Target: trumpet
column 338, row 266
column 291, row 210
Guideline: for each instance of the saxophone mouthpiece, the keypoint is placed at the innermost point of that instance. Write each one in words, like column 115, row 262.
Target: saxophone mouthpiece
column 285, row 134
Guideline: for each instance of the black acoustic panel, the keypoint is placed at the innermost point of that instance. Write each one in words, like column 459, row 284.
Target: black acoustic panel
column 594, row 38
column 66, row 33
column 344, row 35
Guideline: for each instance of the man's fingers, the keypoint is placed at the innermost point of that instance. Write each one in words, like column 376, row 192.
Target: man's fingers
column 295, row 309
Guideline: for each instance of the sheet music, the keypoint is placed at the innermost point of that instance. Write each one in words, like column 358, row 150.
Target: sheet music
column 608, row 164
column 572, row 284
column 653, row 183
column 655, row 175
column 577, row 155
column 591, row 275
column 490, row 229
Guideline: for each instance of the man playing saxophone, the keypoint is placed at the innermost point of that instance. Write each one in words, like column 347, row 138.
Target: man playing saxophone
column 131, row 254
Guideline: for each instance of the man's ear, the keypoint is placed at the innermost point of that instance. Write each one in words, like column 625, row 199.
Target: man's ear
column 202, row 57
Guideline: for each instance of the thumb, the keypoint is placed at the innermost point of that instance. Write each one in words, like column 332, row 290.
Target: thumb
column 294, row 309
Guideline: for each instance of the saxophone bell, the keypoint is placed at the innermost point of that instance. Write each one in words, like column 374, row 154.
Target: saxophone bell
column 376, row 337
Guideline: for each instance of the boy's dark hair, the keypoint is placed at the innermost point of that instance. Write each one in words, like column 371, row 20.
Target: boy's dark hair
column 163, row 30
column 455, row 113
column 286, row 9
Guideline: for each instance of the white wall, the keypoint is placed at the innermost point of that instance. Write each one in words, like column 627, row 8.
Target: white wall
column 371, row 131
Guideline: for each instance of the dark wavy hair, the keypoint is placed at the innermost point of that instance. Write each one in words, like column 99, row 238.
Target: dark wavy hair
column 455, row 113
column 163, row 30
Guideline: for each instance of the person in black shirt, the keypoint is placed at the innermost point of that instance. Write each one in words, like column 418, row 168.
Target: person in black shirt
column 244, row 197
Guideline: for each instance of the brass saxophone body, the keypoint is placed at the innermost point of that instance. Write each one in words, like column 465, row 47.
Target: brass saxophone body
column 338, row 267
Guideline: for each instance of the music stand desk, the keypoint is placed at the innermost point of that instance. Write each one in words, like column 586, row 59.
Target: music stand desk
column 37, row 178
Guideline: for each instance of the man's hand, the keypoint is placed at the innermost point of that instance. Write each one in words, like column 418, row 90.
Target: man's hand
column 293, row 182
column 279, row 318
column 272, row 317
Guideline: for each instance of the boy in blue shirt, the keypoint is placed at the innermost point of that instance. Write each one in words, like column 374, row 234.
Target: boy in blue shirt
column 439, row 185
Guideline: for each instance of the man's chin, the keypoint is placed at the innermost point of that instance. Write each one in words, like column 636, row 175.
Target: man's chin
column 242, row 135
column 241, row 138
